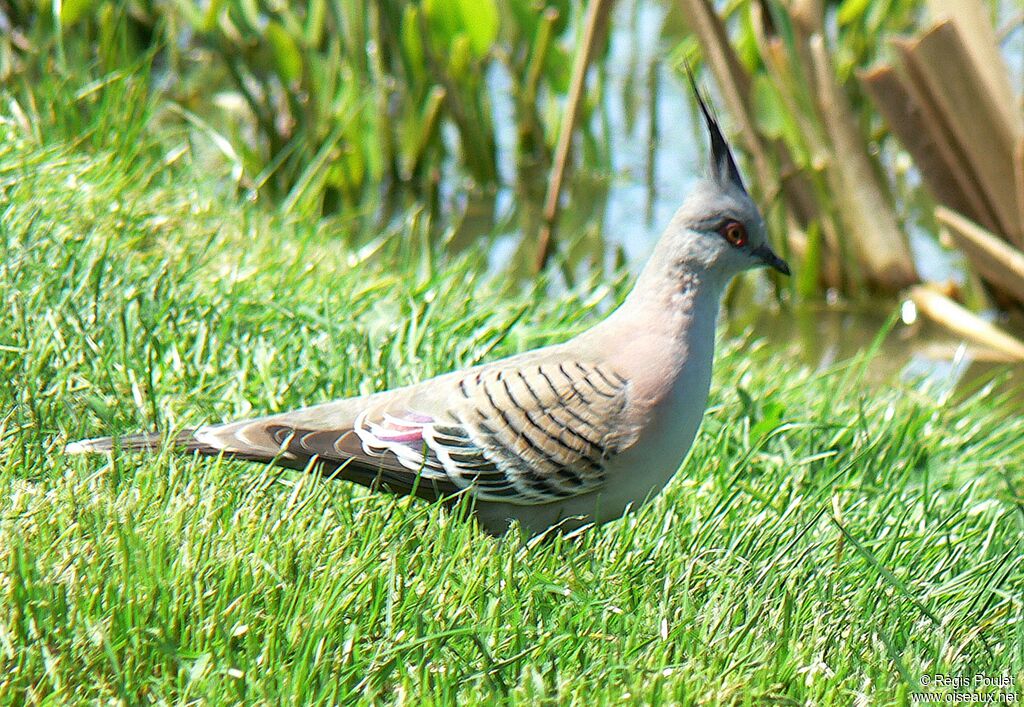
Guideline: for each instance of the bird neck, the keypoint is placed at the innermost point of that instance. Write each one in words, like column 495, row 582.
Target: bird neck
column 678, row 296
column 666, row 329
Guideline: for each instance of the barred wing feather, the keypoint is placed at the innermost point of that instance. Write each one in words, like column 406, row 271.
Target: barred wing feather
column 520, row 434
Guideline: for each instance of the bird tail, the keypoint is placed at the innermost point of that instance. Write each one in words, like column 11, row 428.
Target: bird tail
column 184, row 441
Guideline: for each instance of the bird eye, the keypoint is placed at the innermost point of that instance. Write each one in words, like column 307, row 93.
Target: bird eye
column 734, row 232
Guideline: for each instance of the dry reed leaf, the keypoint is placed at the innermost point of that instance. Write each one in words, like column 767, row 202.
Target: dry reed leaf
column 965, row 323
column 995, row 260
column 905, row 116
column 975, row 27
column 941, row 136
column 939, row 61
column 864, row 207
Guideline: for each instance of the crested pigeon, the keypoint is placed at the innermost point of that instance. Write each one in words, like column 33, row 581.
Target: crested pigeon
column 559, row 437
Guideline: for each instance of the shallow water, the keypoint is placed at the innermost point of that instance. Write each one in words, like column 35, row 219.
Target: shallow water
column 920, row 354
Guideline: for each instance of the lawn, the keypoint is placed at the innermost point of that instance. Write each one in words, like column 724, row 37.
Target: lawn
column 826, row 543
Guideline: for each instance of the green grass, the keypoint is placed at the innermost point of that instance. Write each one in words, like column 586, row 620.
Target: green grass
column 826, row 543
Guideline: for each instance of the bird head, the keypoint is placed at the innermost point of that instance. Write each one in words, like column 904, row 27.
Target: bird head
column 719, row 227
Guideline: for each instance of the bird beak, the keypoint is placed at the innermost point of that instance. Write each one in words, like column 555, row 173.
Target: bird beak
column 767, row 256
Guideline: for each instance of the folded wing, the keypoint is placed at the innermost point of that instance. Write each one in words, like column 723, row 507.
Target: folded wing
column 528, row 433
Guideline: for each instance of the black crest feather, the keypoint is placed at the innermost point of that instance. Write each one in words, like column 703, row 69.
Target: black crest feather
column 723, row 165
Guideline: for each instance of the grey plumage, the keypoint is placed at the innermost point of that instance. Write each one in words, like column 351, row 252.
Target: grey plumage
column 569, row 434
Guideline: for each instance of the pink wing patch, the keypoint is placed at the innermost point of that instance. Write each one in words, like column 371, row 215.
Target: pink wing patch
column 401, row 430
column 402, row 436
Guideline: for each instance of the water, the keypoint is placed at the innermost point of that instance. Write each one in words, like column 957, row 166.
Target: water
column 914, row 351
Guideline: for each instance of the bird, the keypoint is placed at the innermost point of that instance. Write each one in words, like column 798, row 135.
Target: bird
column 568, row 436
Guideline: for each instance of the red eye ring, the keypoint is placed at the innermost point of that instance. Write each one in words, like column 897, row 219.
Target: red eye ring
column 734, row 232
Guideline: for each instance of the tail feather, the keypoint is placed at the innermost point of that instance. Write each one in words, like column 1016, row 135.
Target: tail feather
column 184, row 441
column 225, row 441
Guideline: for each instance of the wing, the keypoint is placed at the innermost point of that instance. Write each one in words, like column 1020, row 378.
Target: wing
column 528, row 434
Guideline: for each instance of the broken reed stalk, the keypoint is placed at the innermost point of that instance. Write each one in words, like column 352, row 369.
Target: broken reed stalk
column 981, row 42
column 873, row 249
column 977, row 129
column 949, row 102
column 1018, row 171
column 909, row 120
column 995, row 260
column 965, row 323
column 596, row 20
column 882, row 250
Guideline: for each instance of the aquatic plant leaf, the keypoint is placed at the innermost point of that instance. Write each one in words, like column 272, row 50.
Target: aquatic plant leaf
column 250, row 13
column 479, row 20
column 287, row 57
column 73, row 10
column 412, row 45
column 313, row 32
column 851, row 10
